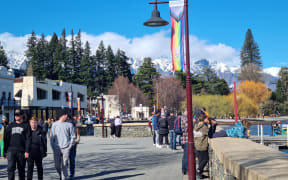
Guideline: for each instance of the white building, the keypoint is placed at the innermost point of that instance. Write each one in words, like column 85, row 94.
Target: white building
column 44, row 98
column 140, row 112
column 7, row 102
column 112, row 106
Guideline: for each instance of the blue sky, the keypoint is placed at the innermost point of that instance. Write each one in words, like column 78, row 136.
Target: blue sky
column 222, row 21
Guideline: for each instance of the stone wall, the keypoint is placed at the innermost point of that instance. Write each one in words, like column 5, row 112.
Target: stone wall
column 128, row 130
column 242, row 159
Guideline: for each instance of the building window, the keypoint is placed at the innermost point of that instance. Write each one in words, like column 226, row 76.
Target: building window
column 56, row 95
column 41, row 94
column 81, row 96
column 19, row 94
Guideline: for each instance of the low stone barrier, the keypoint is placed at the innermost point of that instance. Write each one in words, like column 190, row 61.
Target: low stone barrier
column 128, row 130
column 242, row 159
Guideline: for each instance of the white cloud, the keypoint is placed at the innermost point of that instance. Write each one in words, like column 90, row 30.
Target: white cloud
column 153, row 45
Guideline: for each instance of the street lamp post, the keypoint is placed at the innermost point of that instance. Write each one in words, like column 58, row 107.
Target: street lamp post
column 155, row 21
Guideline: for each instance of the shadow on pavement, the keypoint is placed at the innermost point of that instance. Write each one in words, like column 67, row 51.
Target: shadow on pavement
column 103, row 173
column 123, row 177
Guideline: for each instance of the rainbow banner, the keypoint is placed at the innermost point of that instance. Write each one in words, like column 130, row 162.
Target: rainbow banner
column 78, row 104
column 70, row 105
column 177, row 34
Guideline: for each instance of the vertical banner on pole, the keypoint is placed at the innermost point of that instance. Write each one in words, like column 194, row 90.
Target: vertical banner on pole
column 177, row 34
column 78, row 104
column 70, row 105
column 235, row 103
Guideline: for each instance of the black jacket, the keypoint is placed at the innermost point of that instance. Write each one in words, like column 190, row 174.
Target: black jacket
column 17, row 137
column 39, row 139
column 171, row 122
column 163, row 125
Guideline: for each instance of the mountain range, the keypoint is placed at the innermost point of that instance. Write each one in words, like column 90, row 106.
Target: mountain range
column 18, row 60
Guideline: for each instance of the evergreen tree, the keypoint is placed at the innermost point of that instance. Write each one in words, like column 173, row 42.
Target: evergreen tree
column 282, row 85
column 122, row 67
column 100, row 83
column 78, row 58
column 144, row 78
column 208, row 73
column 41, row 57
column 72, row 59
column 86, row 69
column 280, row 96
column 250, row 53
column 52, row 61
column 3, row 57
column 31, row 52
column 62, row 56
column 111, row 66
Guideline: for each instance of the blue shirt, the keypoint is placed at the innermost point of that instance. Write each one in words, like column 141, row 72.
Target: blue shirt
column 155, row 122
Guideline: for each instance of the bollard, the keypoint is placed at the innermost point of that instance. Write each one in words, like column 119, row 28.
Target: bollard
column 262, row 140
column 258, row 129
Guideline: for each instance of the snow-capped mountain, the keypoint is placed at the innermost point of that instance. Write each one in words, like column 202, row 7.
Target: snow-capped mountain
column 230, row 74
column 18, row 60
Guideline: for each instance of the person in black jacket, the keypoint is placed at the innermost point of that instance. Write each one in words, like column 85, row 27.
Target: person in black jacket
column 163, row 130
column 17, row 142
column 38, row 144
column 171, row 124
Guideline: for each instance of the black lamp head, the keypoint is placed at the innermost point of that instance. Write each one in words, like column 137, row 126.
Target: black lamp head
column 156, row 20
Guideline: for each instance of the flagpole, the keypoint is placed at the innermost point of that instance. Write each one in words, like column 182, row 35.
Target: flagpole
column 235, row 103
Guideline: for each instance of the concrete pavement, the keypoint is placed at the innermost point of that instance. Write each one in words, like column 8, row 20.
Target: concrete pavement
column 125, row 158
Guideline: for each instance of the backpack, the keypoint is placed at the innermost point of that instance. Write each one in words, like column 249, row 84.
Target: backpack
column 177, row 126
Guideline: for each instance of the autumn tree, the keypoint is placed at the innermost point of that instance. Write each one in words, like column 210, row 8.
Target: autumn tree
column 126, row 92
column 246, row 106
column 170, row 93
column 256, row 91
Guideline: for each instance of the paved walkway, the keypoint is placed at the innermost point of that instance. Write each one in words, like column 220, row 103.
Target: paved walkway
column 125, row 158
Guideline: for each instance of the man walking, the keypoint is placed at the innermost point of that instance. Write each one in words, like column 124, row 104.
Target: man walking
column 17, row 142
column 72, row 154
column 155, row 125
column 62, row 138
column 38, row 149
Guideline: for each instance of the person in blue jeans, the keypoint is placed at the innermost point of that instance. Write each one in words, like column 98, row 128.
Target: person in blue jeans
column 72, row 153
column 172, row 134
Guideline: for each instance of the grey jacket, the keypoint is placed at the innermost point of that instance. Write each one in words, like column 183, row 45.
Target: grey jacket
column 62, row 135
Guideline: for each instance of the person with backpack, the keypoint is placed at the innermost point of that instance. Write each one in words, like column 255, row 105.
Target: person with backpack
column 17, row 143
column 172, row 134
column 38, row 149
column 163, row 130
column 177, row 128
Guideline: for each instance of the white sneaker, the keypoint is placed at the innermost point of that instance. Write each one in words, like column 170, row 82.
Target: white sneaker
column 158, row 146
column 154, row 144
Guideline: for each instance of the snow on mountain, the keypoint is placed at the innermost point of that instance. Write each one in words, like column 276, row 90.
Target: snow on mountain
column 274, row 71
column 18, row 60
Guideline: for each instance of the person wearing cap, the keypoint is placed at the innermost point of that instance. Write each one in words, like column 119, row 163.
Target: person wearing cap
column 17, row 143
column 62, row 138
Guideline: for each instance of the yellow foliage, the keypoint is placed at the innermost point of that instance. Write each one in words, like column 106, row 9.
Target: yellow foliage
column 246, row 107
column 223, row 106
column 256, row 91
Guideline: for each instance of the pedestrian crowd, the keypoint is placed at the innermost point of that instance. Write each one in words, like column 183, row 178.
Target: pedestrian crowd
column 165, row 123
column 25, row 142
